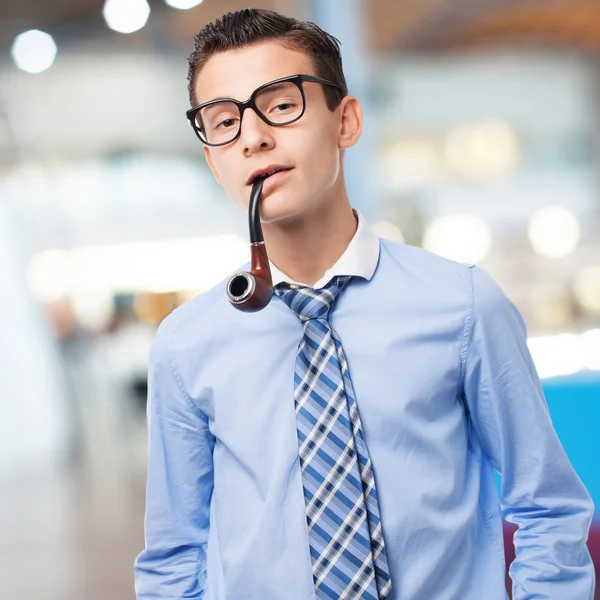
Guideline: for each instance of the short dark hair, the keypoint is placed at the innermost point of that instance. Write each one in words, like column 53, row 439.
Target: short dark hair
column 253, row 25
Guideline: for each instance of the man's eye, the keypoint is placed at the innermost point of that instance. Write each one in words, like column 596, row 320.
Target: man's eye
column 284, row 106
column 225, row 123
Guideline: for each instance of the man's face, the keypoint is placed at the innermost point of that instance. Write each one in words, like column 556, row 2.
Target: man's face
column 310, row 146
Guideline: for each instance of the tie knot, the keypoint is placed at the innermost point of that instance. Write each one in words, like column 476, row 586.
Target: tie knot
column 309, row 303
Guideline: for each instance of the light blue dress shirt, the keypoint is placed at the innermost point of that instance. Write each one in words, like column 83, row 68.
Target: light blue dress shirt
column 447, row 393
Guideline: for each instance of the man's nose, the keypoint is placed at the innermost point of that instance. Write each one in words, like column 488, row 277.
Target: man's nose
column 255, row 134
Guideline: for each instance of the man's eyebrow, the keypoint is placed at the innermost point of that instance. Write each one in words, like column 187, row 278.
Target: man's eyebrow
column 274, row 87
column 217, row 98
column 212, row 108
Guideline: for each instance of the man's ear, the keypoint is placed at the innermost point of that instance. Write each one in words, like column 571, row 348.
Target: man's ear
column 350, row 123
column 211, row 165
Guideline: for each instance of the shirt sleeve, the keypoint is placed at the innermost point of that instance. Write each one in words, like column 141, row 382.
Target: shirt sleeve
column 540, row 491
column 179, row 486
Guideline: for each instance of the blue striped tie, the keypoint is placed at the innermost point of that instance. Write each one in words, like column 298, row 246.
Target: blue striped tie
column 342, row 512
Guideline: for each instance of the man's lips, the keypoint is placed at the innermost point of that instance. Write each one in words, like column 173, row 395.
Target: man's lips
column 267, row 172
column 273, row 180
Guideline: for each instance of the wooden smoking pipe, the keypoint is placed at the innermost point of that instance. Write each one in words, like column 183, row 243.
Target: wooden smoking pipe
column 251, row 291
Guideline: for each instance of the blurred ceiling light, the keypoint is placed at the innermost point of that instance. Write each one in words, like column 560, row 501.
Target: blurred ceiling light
column 50, row 275
column 159, row 266
column 126, row 16
column 554, row 355
column 34, row 51
column 183, row 4
column 94, row 310
column 587, row 288
column 410, row 162
column 486, row 149
column 554, row 231
column 461, row 237
column 388, row 230
column 591, row 348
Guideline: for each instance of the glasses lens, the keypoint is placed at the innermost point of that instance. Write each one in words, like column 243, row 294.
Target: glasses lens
column 280, row 103
column 219, row 122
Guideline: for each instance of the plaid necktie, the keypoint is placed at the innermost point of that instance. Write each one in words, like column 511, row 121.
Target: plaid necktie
column 346, row 540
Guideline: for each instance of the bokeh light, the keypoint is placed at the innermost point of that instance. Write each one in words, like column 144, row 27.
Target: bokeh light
column 388, row 231
column 486, row 149
column 126, row 16
column 586, row 286
column 554, row 355
column 591, row 349
column 460, row 237
column 34, row 51
column 183, row 4
column 554, row 231
column 50, row 275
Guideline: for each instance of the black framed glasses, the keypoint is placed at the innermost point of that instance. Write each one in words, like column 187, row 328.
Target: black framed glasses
column 279, row 102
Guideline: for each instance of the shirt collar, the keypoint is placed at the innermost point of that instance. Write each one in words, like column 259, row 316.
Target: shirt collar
column 360, row 257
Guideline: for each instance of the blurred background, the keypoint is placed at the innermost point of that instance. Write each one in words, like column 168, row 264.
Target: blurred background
column 481, row 143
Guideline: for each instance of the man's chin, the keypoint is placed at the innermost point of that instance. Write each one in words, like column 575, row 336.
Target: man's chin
column 279, row 207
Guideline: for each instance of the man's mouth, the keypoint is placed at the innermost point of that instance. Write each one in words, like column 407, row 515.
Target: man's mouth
column 266, row 173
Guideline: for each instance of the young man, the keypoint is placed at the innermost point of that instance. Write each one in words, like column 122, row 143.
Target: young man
column 341, row 442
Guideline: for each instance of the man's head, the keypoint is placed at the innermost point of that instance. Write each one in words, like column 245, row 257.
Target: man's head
column 242, row 51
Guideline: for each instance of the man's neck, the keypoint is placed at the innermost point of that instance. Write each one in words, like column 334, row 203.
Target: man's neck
column 313, row 244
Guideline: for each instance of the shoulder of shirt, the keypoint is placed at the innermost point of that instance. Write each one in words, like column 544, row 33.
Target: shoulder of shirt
column 425, row 264
column 468, row 284
column 448, row 276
